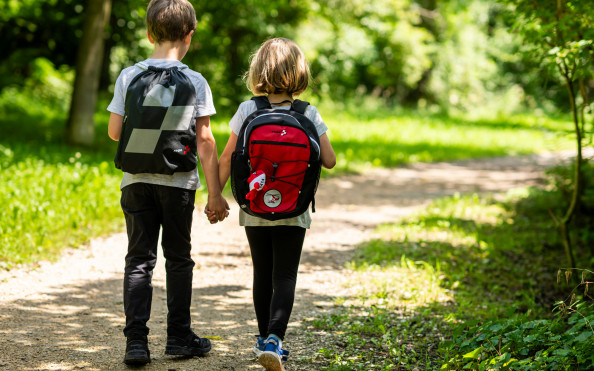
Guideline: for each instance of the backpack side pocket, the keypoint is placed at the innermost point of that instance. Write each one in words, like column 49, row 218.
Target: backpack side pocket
column 118, row 157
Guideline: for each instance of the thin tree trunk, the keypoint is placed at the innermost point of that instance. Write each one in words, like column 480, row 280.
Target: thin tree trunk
column 577, row 178
column 81, row 125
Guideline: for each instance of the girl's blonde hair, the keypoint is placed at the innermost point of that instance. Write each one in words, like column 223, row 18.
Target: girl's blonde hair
column 279, row 66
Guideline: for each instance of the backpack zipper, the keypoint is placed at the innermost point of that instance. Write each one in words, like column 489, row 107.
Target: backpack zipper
column 278, row 143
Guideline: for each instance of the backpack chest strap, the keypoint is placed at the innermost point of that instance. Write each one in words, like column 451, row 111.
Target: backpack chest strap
column 262, row 102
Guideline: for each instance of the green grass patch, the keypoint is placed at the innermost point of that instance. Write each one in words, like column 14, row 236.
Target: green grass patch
column 53, row 195
column 470, row 282
column 383, row 138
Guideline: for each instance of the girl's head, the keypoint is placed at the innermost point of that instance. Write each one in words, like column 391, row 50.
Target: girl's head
column 278, row 67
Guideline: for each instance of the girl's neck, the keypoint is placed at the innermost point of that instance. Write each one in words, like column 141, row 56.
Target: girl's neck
column 278, row 98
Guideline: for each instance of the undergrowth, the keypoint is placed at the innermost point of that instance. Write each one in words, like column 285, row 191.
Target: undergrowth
column 468, row 283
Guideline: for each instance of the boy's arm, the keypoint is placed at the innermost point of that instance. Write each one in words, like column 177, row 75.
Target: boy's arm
column 115, row 126
column 207, row 153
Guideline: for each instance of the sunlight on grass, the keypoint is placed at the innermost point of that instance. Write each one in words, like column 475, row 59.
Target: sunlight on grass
column 410, row 137
column 460, row 261
column 409, row 283
column 51, row 205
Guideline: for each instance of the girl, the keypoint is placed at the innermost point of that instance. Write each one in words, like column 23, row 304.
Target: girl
column 278, row 70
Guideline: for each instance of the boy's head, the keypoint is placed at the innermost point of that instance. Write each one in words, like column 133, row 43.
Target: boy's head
column 279, row 66
column 170, row 20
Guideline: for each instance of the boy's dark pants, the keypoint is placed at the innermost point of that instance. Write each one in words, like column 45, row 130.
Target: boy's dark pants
column 147, row 207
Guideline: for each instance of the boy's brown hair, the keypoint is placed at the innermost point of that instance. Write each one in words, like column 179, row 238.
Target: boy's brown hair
column 279, row 66
column 170, row 20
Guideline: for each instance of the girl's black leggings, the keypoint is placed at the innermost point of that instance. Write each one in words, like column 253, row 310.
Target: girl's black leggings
column 275, row 254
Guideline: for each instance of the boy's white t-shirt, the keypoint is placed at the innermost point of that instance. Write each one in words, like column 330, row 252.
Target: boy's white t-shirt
column 204, row 107
column 245, row 109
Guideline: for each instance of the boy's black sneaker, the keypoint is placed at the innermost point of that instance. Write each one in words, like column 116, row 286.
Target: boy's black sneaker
column 191, row 345
column 137, row 352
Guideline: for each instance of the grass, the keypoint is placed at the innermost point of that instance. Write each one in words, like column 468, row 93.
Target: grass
column 382, row 138
column 436, row 289
column 55, row 195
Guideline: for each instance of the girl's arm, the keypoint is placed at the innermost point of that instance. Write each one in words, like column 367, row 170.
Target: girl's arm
column 327, row 152
column 224, row 170
column 225, row 160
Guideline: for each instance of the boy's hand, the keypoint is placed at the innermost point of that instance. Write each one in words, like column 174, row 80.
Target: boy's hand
column 212, row 217
column 219, row 206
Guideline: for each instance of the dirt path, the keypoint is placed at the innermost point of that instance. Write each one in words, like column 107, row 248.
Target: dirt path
column 68, row 315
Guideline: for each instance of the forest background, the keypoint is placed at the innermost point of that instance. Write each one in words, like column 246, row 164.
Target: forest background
column 400, row 81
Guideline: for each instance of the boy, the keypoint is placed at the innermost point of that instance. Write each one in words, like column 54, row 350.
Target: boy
column 151, row 200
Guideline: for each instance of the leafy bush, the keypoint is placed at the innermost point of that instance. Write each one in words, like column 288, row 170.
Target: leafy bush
column 518, row 343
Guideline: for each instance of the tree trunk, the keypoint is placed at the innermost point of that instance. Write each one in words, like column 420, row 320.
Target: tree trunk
column 577, row 177
column 81, row 126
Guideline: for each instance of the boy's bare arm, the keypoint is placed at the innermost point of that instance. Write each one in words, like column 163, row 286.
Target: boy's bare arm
column 115, row 126
column 207, row 153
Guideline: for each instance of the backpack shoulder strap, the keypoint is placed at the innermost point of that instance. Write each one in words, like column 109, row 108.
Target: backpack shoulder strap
column 261, row 102
column 299, row 106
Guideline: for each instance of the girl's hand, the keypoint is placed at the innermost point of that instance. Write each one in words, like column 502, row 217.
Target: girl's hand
column 211, row 215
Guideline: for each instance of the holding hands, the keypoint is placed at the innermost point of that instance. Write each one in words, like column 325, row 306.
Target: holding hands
column 217, row 209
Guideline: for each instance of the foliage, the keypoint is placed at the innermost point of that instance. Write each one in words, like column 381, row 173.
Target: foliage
column 561, row 343
column 37, row 28
column 458, row 276
column 563, row 38
column 454, row 56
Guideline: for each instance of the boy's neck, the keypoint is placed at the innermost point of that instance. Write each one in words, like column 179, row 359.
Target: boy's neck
column 170, row 50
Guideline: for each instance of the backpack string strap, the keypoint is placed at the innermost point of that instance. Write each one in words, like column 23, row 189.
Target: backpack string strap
column 299, row 106
column 261, row 102
column 162, row 69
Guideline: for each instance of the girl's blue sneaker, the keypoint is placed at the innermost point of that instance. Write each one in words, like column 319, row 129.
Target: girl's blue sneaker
column 259, row 347
column 272, row 355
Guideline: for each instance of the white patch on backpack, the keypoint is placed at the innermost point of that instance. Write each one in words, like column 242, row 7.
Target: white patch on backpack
column 272, row 198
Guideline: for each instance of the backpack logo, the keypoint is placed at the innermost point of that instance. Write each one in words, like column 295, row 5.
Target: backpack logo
column 185, row 150
column 272, row 198
column 176, row 118
column 284, row 132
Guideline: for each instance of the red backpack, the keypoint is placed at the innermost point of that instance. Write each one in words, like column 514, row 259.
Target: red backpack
column 276, row 165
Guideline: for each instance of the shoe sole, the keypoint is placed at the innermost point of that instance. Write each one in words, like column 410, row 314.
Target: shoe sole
column 137, row 361
column 271, row 361
column 175, row 350
column 137, row 358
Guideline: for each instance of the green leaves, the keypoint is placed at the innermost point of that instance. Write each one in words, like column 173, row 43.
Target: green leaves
column 530, row 345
